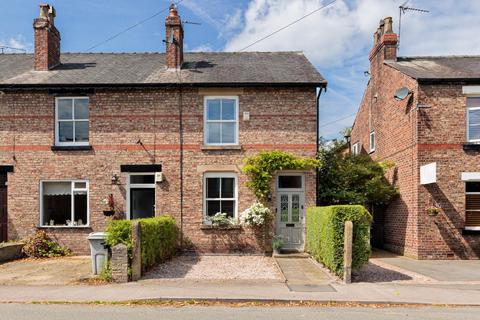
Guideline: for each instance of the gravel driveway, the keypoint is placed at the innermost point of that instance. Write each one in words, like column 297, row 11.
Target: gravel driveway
column 221, row 267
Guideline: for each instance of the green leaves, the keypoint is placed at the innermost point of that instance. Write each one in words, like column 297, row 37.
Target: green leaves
column 347, row 179
column 260, row 169
column 325, row 232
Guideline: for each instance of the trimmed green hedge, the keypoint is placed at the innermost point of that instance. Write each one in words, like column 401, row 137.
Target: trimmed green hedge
column 325, row 231
column 158, row 238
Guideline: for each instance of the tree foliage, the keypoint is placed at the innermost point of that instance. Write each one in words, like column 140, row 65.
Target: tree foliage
column 348, row 179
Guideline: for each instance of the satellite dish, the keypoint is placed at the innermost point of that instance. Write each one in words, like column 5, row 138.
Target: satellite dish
column 402, row 93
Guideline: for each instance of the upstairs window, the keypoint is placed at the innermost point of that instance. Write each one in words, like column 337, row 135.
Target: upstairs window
column 221, row 120
column 473, row 119
column 373, row 141
column 72, row 121
column 472, row 206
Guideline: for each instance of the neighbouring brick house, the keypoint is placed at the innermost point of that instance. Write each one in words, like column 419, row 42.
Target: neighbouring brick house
column 430, row 130
column 161, row 133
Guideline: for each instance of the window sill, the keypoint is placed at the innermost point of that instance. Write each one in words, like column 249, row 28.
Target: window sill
column 226, row 227
column 64, row 227
column 471, row 231
column 72, row 148
column 225, row 147
column 471, row 146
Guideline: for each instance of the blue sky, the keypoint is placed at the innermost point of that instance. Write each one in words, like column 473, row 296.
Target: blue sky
column 337, row 40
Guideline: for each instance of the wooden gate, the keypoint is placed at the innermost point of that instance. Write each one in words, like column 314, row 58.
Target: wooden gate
column 3, row 207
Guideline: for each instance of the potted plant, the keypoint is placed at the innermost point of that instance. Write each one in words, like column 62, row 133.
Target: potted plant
column 220, row 219
column 277, row 244
column 433, row 211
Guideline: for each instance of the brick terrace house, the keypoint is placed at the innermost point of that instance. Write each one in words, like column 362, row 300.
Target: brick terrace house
column 162, row 133
column 423, row 113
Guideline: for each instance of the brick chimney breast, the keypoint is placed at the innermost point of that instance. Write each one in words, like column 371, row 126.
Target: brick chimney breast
column 47, row 40
column 385, row 42
column 173, row 39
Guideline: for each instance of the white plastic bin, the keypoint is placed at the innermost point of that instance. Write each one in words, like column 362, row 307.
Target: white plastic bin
column 98, row 250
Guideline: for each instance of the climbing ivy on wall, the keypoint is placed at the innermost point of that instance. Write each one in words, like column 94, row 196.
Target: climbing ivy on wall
column 260, row 169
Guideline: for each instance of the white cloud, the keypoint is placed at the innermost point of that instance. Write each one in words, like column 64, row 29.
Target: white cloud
column 202, row 48
column 18, row 42
column 338, row 39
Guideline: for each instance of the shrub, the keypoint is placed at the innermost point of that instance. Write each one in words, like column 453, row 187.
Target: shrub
column 350, row 179
column 158, row 238
column 256, row 215
column 40, row 245
column 325, row 235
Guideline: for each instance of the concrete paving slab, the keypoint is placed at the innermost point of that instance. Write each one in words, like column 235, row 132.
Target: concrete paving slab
column 302, row 275
column 440, row 270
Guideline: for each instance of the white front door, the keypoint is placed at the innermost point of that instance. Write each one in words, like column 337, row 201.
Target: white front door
column 290, row 211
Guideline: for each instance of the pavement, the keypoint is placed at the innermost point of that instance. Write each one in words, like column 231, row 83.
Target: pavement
column 77, row 312
column 304, row 281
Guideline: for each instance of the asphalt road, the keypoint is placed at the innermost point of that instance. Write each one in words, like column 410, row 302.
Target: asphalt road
column 88, row 312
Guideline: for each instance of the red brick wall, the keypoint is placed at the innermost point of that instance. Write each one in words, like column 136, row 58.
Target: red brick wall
column 47, row 45
column 281, row 119
column 442, row 133
column 394, row 125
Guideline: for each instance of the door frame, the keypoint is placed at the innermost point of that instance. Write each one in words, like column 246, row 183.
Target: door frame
column 140, row 186
column 290, row 191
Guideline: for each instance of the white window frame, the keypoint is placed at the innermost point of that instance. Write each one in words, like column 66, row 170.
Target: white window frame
column 373, row 145
column 72, row 210
column 57, row 121
column 467, row 193
column 206, row 121
column 220, row 175
column 468, row 120
column 356, row 149
column 140, row 186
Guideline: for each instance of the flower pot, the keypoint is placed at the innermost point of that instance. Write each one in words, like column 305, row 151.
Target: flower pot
column 108, row 213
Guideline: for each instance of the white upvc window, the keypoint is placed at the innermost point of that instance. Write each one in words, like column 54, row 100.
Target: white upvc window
column 64, row 203
column 220, row 194
column 473, row 119
column 472, row 205
column 221, row 120
column 356, row 149
column 72, row 121
column 372, row 141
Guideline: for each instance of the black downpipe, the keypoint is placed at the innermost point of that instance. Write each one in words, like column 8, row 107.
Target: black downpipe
column 317, row 178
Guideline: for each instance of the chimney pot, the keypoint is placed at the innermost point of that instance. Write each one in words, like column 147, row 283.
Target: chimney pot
column 173, row 10
column 388, row 25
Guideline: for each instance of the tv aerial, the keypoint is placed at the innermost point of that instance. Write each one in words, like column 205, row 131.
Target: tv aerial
column 403, row 9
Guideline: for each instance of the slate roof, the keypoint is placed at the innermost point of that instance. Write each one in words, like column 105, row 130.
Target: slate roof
column 223, row 68
column 439, row 68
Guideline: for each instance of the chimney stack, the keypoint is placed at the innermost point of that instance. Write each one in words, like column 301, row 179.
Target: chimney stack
column 47, row 40
column 385, row 42
column 174, row 39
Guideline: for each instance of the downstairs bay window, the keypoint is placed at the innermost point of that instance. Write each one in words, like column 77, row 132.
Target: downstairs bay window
column 472, row 205
column 220, row 194
column 64, row 203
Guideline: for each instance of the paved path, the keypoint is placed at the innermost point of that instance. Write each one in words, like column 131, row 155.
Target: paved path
column 303, row 275
column 440, row 270
column 77, row 312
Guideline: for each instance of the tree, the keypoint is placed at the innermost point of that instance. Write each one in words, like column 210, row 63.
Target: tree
column 349, row 179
